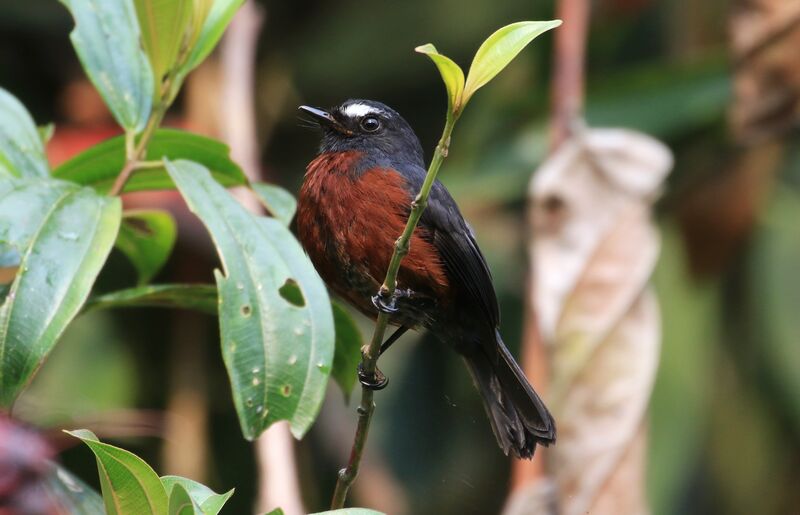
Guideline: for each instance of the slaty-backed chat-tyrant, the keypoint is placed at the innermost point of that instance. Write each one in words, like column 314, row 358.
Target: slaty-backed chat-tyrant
column 354, row 203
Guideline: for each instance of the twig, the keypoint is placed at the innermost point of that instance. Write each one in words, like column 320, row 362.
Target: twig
column 136, row 152
column 568, row 67
column 371, row 353
column 134, row 158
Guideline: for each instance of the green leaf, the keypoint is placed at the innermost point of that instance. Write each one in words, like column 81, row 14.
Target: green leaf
column 209, row 502
column 165, row 25
column 129, row 485
column 773, row 261
column 99, row 166
column 276, row 511
column 46, row 132
column 147, row 238
column 64, row 234
column 199, row 297
column 200, row 12
column 348, row 350
column 70, row 494
column 350, row 511
column 278, row 351
column 215, row 23
column 280, row 203
column 501, row 48
column 23, row 202
column 452, row 75
column 106, row 37
column 181, row 504
column 21, row 148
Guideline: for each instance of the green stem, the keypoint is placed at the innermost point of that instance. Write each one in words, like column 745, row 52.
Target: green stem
column 371, row 353
column 135, row 154
column 134, row 158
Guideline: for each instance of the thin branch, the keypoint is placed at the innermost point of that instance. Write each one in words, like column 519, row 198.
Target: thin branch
column 568, row 89
column 130, row 145
column 149, row 165
column 122, row 178
column 371, row 353
column 133, row 161
column 136, row 152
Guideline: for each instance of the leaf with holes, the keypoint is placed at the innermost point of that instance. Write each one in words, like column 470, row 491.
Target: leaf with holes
column 348, row 350
column 209, row 502
column 147, row 238
column 106, row 37
column 199, row 297
column 279, row 202
column 99, row 166
column 165, row 24
column 21, row 148
column 278, row 350
column 129, row 485
column 203, row 298
column 500, row 49
column 63, row 234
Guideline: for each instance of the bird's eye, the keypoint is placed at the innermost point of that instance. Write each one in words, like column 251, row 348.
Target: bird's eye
column 370, row 124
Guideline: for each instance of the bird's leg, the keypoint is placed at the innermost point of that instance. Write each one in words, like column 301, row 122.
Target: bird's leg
column 378, row 381
column 393, row 338
column 387, row 303
column 374, row 381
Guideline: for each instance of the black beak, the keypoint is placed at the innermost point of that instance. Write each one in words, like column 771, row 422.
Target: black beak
column 324, row 118
column 319, row 114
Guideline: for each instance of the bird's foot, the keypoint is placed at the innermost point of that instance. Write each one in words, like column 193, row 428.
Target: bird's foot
column 373, row 381
column 387, row 303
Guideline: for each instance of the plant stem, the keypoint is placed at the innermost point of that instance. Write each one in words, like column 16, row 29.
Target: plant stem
column 133, row 161
column 569, row 59
column 135, row 154
column 371, row 352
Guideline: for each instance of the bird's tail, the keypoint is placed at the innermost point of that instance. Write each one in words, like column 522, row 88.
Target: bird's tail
column 518, row 416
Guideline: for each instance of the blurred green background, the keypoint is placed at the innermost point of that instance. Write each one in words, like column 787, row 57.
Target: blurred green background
column 725, row 414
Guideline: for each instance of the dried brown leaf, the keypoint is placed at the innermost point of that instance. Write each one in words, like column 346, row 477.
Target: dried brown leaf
column 577, row 197
column 765, row 36
column 594, row 249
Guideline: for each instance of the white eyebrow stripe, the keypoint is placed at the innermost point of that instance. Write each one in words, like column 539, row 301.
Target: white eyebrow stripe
column 358, row 110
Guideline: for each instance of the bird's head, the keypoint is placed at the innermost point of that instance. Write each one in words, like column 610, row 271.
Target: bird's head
column 367, row 126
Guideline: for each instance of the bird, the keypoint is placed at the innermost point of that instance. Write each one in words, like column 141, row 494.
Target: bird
column 354, row 203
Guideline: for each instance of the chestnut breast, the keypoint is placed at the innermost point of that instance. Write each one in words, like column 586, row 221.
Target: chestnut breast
column 348, row 223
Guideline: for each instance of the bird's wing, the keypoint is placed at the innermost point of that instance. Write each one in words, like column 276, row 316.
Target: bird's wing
column 455, row 241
